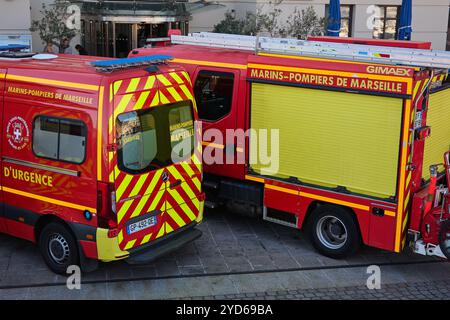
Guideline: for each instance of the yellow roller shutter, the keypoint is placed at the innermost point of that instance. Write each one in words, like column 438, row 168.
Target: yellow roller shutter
column 331, row 138
column 438, row 118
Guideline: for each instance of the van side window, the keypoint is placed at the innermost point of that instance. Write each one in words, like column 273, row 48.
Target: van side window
column 59, row 139
column 213, row 93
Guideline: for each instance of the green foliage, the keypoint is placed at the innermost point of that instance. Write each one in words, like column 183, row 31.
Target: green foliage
column 52, row 27
column 230, row 24
column 304, row 23
column 250, row 25
column 300, row 24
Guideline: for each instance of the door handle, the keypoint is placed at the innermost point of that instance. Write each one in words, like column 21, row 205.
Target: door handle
column 175, row 184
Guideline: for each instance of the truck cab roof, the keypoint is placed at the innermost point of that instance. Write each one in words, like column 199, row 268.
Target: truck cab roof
column 72, row 68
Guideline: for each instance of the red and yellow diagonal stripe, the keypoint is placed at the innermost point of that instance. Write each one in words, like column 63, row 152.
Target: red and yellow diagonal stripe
column 138, row 195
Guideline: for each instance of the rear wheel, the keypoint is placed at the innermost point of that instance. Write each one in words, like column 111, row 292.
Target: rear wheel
column 334, row 232
column 58, row 247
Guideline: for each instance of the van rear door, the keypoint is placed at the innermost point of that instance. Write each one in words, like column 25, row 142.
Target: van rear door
column 184, row 186
column 139, row 180
column 156, row 191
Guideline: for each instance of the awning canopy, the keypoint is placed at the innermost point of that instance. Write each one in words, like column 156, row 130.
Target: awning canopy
column 142, row 8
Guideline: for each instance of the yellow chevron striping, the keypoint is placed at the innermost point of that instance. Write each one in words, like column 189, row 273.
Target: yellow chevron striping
column 160, row 232
column 133, row 85
column 175, row 217
column 130, row 244
column 120, row 236
column 176, row 196
column 168, row 228
column 186, row 92
column 176, row 77
column 123, row 210
column 188, row 211
column 123, row 185
column 123, row 104
column 154, row 181
column 156, row 201
column 155, row 101
column 111, row 94
column 110, row 124
column 163, row 98
column 408, row 179
column 405, row 222
column 197, row 183
column 405, row 204
column 150, row 83
column 184, row 73
column 416, row 88
column 174, row 94
column 117, row 85
column 188, row 169
column 142, row 98
column 137, row 187
column 164, row 80
column 146, row 238
column 147, row 193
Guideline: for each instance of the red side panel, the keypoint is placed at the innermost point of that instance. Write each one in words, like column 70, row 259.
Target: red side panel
column 2, row 90
column 376, row 42
column 21, row 230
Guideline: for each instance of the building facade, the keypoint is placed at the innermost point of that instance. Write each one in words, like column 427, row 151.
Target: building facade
column 114, row 27
column 430, row 17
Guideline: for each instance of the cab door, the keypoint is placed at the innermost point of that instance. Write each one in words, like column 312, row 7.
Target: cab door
column 216, row 94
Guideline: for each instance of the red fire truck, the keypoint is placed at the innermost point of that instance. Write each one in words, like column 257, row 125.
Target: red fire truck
column 359, row 125
column 87, row 164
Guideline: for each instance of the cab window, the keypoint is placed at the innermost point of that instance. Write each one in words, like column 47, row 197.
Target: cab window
column 147, row 139
column 59, row 139
column 213, row 93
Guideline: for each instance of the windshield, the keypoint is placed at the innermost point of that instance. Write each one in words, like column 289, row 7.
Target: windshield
column 154, row 138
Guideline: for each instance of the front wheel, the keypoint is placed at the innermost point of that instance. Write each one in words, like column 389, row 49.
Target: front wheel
column 334, row 232
column 58, row 247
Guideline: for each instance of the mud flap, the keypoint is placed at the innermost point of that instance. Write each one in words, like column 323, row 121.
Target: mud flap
column 86, row 264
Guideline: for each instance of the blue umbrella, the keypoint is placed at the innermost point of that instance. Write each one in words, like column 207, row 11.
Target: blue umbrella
column 334, row 18
column 404, row 28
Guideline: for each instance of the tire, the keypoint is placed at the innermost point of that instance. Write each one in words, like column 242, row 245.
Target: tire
column 58, row 247
column 334, row 232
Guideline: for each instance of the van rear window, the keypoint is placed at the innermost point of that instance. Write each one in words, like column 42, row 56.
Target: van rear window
column 59, row 139
column 154, row 138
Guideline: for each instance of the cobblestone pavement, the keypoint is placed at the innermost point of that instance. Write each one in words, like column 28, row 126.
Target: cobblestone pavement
column 230, row 243
column 235, row 255
column 432, row 290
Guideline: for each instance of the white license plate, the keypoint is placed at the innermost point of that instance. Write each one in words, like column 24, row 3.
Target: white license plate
column 141, row 225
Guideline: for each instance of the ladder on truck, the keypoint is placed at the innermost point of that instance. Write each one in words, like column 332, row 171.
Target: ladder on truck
column 343, row 51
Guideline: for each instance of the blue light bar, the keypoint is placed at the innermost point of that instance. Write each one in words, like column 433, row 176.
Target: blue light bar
column 10, row 47
column 110, row 65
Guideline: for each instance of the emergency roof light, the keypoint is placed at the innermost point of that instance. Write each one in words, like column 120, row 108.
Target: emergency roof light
column 117, row 64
